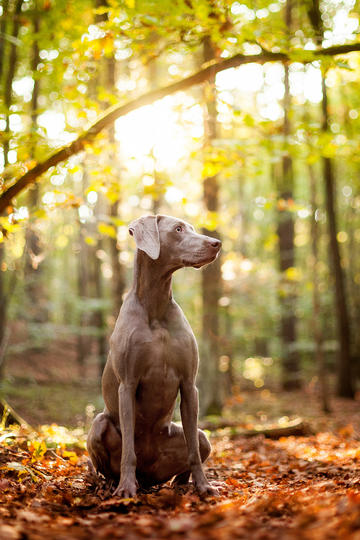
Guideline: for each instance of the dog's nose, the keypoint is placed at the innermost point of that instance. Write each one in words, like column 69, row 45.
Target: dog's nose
column 216, row 243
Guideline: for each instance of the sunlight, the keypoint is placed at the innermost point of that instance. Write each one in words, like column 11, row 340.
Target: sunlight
column 54, row 124
column 159, row 136
column 268, row 82
column 343, row 26
column 23, row 87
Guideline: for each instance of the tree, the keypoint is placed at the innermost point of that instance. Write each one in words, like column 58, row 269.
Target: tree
column 344, row 368
column 286, row 234
column 11, row 62
column 211, row 275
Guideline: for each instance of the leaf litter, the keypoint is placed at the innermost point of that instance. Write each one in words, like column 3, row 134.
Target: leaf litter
column 293, row 487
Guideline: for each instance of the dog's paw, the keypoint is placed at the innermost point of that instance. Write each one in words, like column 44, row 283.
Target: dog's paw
column 207, row 490
column 126, row 489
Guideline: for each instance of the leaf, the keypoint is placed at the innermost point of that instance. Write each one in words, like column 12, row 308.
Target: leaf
column 343, row 65
column 90, row 241
column 6, row 435
column 41, row 213
column 72, row 456
column 117, row 221
column 37, row 450
column 20, row 469
column 107, row 230
column 101, row 10
column 293, row 274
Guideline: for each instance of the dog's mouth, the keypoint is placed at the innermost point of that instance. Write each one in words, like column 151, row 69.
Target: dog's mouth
column 202, row 262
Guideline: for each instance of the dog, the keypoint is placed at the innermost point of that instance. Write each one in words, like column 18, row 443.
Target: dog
column 153, row 355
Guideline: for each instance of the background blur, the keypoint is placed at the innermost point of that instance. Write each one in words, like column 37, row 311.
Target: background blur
column 264, row 156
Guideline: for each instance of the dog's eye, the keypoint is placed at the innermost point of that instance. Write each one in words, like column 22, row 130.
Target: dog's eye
column 179, row 228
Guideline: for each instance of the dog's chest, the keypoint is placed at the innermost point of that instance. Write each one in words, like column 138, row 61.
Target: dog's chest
column 160, row 376
column 164, row 355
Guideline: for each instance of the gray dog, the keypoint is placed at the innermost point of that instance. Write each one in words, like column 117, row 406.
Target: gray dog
column 153, row 354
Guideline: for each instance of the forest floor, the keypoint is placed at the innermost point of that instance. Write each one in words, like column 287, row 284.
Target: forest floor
column 295, row 487
column 304, row 486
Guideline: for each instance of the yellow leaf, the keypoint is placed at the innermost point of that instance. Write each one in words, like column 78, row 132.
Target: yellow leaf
column 107, row 230
column 41, row 213
column 72, row 456
column 90, row 241
column 293, row 274
column 37, row 449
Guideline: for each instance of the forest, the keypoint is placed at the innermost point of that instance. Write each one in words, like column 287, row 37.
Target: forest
column 243, row 119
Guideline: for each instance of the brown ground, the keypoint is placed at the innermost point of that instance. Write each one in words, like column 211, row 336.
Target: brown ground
column 296, row 487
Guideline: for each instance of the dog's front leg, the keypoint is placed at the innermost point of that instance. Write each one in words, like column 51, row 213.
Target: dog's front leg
column 128, row 484
column 189, row 409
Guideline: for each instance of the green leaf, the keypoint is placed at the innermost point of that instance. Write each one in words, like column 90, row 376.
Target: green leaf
column 343, row 65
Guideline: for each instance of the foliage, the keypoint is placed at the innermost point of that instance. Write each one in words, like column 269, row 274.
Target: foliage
column 155, row 160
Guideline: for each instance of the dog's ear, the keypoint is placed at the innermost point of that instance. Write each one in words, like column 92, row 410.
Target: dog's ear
column 146, row 234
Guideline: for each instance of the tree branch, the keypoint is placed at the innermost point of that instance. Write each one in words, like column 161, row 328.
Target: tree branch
column 115, row 112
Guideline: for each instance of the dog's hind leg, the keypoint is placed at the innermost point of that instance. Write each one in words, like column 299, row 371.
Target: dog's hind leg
column 104, row 446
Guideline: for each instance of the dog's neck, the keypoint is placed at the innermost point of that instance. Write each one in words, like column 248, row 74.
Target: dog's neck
column 152, row 285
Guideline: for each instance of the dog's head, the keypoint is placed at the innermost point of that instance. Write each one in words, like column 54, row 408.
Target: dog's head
column 173, row 242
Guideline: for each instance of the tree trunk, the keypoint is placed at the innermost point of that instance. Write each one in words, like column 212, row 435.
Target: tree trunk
column 99, row 317
column 83, row 340
column 118, row 282
column 345, row 386
column 10, row 77
column 37, row 300
column 211, row 379
column 3, row 313
column 83, row 262
column 285, row 230
column 316, row 319
column 3, row 25
column 344, row 368
column 354, row 269
column 118, row 271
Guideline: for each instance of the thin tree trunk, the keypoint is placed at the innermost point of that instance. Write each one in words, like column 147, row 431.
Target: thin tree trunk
column 3, row 25
column 157, row 196
column 99, row 317
column 118, row 271
column 83, row 340
column 211, row 379
column 7, row 102
column 83, row 262
column 290, row 356
column 34, row 287
column 228, row 347
column 316, row 319
column 3, row 312
column 10, row 77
